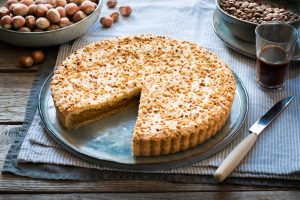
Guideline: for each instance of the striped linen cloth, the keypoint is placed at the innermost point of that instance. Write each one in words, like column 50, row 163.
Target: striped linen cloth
column 276, row 153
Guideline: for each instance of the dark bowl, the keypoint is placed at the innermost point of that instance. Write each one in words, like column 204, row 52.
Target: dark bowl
column 50, row 38
column 240, row 28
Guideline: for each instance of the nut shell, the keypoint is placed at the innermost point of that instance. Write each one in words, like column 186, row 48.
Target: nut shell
column 78, row 16
column 42, row 23
column 87, row 7
column 52, row 3
column 106, row 21
column 24, row 29
column 26, row 61
column 18, row 22
column 27, row 2
column 30, row 21
column 38, row 56
column 125, row 10
column 53, row 15
column 71, row 9
column 61, row 11
column 77, row 2
column 31, row 9
column 6, row 22
column 4, row 11
column 49, row 6
column 41, row 10
column 37, row 2
column 11, row 7
column 20, row 9
column 114, row 16
column 53, row 27
column 64, row 22
column 61, row 3
column 111, row 3
column 10, row 2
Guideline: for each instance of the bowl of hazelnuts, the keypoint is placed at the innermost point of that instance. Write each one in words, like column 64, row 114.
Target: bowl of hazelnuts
column 242, row 16
column 41, row 23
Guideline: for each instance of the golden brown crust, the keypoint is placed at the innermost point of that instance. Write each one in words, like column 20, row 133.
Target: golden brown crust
column 186, row 91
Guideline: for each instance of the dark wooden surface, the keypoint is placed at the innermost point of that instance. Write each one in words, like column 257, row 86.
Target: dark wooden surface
column 15, row 84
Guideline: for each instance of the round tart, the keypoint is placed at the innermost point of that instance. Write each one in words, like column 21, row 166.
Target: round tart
column 185, row 92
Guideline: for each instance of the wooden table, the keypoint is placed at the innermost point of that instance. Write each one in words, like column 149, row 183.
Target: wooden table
column 15, row 84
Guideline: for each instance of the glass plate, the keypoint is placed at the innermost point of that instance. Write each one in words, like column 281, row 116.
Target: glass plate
column 108, row 141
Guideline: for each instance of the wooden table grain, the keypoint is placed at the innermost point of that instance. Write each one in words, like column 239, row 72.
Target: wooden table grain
column 15, row 84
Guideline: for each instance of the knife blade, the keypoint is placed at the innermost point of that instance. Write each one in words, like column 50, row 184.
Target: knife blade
column 241, row 150
column 267, row 118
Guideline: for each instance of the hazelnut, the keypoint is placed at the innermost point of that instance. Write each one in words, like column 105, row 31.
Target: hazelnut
column 87, row 7
column 106, row 21
column 37, row 2
column 52, row 2
column 38, row 56
column 20, row 9
column 18, row 21
column 24, row 29
column 26, row 61
column 41, row 10
column 114, row 16
column 111, row 3
column 77, row 2
column 42, row 23
column 53, row 15
column 31, row 9
column 64, row 22
column 37, row 30
column 125, row 10
column 49, row 6
column 53, row 27
column 11, row 7
column 4, row 11
column 61, row 3
column 79, row 16
column 6, row 22
column 10, row 2
column 61, row 11
column 30, row 21
column 95, row 5
column 71, row 9
column 26, row 2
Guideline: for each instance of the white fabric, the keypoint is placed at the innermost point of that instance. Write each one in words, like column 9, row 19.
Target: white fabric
column 277, row 152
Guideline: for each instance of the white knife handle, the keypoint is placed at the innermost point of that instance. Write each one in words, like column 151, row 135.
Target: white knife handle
column 235, row 157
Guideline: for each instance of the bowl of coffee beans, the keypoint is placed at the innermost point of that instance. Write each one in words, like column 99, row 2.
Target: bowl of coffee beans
column 242, row 16
column 41, row 23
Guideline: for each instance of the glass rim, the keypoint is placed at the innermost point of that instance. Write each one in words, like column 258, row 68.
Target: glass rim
column 281, row 23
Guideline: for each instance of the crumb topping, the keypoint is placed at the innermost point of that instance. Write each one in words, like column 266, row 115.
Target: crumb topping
column 182, row 85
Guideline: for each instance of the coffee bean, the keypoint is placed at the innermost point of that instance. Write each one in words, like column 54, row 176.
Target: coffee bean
column 268, row 18
column 257, row 11
column 252, row 5
column 245, row 4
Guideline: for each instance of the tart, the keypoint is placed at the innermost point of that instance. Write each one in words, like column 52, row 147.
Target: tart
column 185, row 92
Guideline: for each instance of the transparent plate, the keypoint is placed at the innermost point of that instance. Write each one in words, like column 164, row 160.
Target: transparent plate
column 108, row 141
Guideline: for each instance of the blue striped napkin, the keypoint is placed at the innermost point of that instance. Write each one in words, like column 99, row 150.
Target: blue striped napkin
column 277, row 152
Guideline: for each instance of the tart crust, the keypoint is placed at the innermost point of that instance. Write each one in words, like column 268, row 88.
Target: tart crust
column 186, row 92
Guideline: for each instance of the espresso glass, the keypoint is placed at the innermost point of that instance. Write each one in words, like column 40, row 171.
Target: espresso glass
column 275, row 44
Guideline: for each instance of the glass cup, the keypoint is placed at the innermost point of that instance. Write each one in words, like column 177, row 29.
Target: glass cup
column 275, row 44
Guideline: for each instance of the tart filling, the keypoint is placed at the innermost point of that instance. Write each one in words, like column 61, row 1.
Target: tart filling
column 186, row 91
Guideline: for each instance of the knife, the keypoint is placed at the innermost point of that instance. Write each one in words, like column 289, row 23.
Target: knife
column 241, row 150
